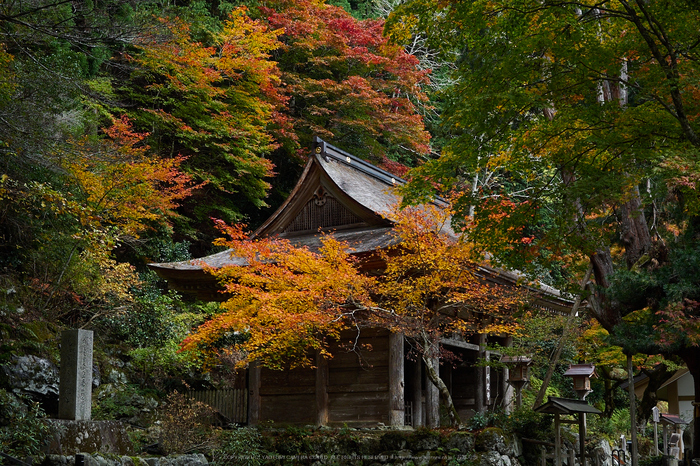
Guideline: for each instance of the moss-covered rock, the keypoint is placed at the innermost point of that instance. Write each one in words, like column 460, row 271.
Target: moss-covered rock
column 495, row 439
column 393, row 440
column 459, row 441
column 424, row 440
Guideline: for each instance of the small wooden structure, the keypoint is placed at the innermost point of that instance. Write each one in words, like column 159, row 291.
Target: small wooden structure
column 344, row 194
column 673, row 446
column 581, row 375
column 565, row 406
column 518, row 374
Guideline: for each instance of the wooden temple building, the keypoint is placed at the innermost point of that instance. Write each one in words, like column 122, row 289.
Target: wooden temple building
column 342, row 193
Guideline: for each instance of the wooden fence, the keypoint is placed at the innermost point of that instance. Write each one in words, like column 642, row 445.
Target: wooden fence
column 231, row 403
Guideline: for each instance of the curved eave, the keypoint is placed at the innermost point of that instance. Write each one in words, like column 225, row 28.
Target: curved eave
column 191, row 276
column 545, row 297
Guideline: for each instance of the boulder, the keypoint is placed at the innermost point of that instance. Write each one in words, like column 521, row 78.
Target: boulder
column 493, row 439
column 70, row 437
column 31, row 375
column 490, row 458
column 424, row 441
column 601, row 452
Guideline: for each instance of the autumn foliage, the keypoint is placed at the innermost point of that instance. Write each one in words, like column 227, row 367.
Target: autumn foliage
column 346, row 83
column 289, row 302
column 122, row 184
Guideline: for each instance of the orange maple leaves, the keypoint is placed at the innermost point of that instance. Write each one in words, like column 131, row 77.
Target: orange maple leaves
column 121, row 184
column 289, row 301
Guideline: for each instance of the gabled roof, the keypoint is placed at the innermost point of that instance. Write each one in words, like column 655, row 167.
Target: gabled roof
column 587, row 370
column 556, row 405
column 336, row 192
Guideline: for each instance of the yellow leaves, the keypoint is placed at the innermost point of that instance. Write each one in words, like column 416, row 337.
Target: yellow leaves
column 104, row 279
column 245, row 46
column 7, row 75
column 121, row 185
column 289, row 301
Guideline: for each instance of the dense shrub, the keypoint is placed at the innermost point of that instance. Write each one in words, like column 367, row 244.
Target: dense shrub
column 186, row 425
column 22, row 431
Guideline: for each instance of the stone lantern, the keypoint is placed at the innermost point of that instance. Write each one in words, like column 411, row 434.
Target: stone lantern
column 581, row 375
column 518, row 374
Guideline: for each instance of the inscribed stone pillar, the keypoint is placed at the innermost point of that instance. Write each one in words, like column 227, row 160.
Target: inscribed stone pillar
column 75, row 387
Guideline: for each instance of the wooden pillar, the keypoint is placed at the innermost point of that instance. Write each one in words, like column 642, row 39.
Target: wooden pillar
column 396, row 380
column 582, row 438
column 557, row 440
column 254, row 402
column 633, row 410
column 321, row 390
column 505, row 389
column 432, row 398
column 417, row 397
column 480, row 402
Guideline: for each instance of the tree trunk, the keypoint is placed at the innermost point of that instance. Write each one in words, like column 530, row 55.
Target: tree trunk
column 633, row 409
column 560, row 345
column 657, row 377
column 434, row 377
column 634, row 231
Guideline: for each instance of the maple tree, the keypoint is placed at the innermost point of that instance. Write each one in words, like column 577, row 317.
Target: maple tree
column 213, row 103
column 121, row 184
column 291, row 301
column 346, row 83
column 584, row 114
column 114, row 191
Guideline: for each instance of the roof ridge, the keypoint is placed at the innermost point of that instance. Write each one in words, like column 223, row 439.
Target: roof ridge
column 326, row 150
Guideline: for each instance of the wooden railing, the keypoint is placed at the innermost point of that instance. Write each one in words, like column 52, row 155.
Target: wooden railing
column 230, row 403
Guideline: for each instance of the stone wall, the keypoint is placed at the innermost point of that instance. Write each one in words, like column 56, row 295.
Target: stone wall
column 347, row 447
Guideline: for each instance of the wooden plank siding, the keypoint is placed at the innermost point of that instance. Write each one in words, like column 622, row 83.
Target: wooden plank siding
column 231, row 404
column 358, row 379
column 350, row 388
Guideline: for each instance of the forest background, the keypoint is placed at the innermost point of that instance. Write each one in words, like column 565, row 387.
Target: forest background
column 566, row 133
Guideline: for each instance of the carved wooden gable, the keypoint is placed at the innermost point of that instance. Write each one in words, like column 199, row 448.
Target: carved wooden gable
column 322, row 211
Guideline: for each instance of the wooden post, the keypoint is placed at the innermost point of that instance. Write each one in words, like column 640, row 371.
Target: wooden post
column 480, row 395
column 418, row 394
column 321, row 390
column 432, row 398
column 254, row 394
column 396, row 380
column 633, row 410
column 582, row 437
column 557, row 440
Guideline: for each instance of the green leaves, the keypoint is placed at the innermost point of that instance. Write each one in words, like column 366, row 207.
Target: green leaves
column 214, row 104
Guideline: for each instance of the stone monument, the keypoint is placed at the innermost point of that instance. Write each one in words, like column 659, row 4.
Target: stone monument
column 75, row 387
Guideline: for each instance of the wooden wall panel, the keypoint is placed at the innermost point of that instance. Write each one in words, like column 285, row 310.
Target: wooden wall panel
column 366, row 359
column 287, row 382
column 289, row 409
column 354, row 380
column 364, row 408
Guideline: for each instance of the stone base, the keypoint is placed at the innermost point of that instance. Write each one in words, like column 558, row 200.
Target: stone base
column 70, row 437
